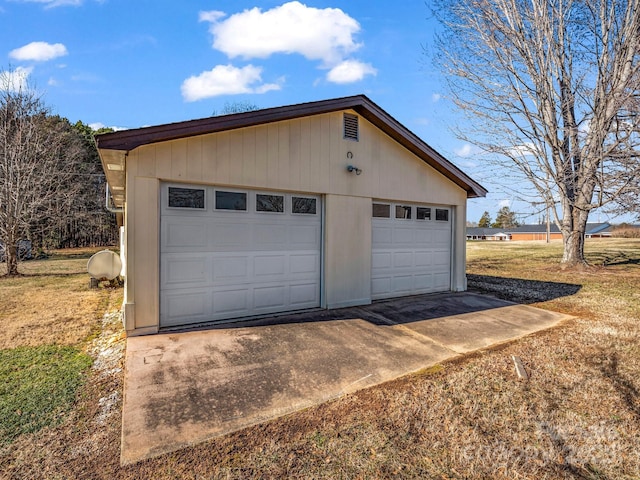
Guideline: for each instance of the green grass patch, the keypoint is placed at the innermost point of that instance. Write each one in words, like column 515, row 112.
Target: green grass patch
column 38, row 386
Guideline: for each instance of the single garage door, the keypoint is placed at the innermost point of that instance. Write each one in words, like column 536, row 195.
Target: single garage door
column 228, row 253
column 411, row 249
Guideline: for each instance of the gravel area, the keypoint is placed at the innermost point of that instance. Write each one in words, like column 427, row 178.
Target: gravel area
column 519, row 290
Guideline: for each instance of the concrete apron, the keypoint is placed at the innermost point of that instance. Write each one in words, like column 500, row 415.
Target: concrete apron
column 183, row 388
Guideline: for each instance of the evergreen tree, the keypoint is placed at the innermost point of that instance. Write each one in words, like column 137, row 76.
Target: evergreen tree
column 485, row 220
column 505, row 218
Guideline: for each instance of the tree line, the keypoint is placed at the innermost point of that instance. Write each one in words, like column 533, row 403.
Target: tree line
column 52, row 186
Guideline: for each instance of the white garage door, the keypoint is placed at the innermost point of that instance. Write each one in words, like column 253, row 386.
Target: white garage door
column 228, row 253
column 411, row 249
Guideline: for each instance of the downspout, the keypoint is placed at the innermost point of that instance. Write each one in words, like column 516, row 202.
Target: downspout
column 107, row 203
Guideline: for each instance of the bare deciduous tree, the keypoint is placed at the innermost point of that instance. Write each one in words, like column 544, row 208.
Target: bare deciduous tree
column 37, row 161
column 549, row 86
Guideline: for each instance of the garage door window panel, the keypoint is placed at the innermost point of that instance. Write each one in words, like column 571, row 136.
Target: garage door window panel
column 192, row 198
column 403, row 212
column 226, row 200
column 381, row 210
column 442, row 215
column 303, row 205
column 423, row 213
column 269, row 203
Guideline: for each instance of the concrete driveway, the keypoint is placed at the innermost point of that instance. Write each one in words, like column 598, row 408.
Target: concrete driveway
column 184, row 388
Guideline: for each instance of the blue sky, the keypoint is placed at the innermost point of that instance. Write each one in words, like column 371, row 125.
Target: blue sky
column 132, row 63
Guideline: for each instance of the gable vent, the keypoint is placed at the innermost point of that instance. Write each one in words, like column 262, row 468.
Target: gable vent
column 350, row 126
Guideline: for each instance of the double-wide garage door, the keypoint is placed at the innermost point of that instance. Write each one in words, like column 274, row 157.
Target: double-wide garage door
column 228, row 253
column 411, row 250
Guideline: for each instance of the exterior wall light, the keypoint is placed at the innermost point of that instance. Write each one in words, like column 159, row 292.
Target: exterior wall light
column 352, row 168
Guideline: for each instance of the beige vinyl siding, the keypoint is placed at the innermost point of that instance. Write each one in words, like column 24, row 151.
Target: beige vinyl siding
column 347, row 251
column 302, row 155
column 307, row 154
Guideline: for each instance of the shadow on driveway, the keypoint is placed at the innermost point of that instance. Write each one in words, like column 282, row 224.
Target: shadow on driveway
column 404, row 310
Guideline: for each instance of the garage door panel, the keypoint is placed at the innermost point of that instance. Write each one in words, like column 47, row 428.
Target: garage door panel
column 269, row 237
column 304, row 295
column 382, row 235
column 423, row 259
column 380, row 286
column 423, row 283
column 227, row 236
column 230, row 301
column 180, row 234
column 188, row 306
column 233, row 268
column 402, row 283
column 270, row 297
column 304, row 236
column 409, row 255
column 441, row 238
column 403, row 236
column 441, row 280
column 403, row 259
column 441, row 259
column 179, row 269
column 269, row 265
column 224, row 264
column 423, row 236
column 381, row 260
column 305, row 263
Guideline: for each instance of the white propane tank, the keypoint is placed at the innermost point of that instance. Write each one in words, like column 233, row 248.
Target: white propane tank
column 104, row 265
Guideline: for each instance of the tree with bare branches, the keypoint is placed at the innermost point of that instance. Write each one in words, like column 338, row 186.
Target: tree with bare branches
column 38, row 157
column 549, row 86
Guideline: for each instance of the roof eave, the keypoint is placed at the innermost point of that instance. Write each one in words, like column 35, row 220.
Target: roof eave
column 127, row 140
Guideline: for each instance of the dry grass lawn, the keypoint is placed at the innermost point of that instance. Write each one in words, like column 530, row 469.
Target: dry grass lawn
column 577, row 417
column 50, row 303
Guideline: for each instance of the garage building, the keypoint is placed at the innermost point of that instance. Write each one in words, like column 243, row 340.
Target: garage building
column 317, row 205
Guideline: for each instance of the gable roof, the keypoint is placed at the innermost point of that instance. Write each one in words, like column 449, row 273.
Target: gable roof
column 114, row 146
column 486, row 231
column 553, row 228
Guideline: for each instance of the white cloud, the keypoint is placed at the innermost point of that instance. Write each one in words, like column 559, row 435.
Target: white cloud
column 504, row 203
column 52, row 82
column 15, row 80
column 317, row 34
column 464, row 151
column 211, row 16
column 55, row 3
column 435, row 97
column 98, row 125
column 39, row 52
column 350, row 71
column 523, row 150
column 226, row 80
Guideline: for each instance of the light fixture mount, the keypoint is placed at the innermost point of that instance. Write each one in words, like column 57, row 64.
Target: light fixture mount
column 353, row 168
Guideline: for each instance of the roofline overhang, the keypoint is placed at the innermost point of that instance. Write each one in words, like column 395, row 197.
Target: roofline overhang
column 126, row 140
